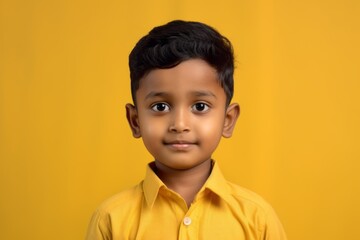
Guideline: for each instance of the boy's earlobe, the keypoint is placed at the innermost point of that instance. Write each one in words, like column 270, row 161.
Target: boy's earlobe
column 133, row 120
column 232, row 114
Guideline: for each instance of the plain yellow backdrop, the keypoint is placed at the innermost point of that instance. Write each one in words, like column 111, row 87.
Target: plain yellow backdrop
column 65, row 145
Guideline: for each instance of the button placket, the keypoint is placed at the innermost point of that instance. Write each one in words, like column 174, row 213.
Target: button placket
column 188, row 225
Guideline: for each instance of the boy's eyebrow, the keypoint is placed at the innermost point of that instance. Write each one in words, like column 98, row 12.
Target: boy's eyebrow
column 203, row 94
column 195, row 93
column 155, row 94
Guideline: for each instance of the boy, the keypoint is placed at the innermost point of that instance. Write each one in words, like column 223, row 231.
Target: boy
column 182, row 84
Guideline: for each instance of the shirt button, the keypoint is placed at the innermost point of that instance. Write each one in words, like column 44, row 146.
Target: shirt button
column 187, row 221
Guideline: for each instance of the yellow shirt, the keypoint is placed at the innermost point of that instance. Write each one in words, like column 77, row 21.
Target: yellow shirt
column 151, row 211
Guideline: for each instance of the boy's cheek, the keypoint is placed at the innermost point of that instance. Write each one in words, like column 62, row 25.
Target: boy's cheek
column 152, row 128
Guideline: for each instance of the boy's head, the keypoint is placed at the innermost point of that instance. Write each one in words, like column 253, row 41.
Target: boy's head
column 168, row 45
column 182, row 84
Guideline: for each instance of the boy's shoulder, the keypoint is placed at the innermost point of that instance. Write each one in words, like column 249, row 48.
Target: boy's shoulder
column 249, row 200
column 245, row 194
column 244, row 200
column 122, row 201
column 120, row 210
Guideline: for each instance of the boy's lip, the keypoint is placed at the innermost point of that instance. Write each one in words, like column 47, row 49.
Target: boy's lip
column 166, row 142
column 180, row 145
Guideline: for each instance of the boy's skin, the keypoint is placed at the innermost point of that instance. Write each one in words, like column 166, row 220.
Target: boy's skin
column 181, row 114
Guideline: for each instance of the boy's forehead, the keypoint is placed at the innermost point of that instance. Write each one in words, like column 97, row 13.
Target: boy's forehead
column 189, row 71
column 191, row 77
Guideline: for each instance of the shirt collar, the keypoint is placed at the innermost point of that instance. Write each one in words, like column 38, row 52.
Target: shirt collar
column 216, row 183
column 151, row 185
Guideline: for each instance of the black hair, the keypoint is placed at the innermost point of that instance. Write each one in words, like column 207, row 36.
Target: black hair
column 168, row 45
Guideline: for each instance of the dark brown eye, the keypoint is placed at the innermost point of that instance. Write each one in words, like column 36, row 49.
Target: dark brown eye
column 160, row 107
column 200, row 107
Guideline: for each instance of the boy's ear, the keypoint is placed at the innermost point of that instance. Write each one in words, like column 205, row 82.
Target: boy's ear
column 232, row 114
column 133, row 120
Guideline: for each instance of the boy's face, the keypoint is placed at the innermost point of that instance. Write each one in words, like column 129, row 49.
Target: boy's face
column 181, row 114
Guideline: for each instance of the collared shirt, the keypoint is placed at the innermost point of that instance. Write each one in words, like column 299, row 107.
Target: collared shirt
column 151, row 211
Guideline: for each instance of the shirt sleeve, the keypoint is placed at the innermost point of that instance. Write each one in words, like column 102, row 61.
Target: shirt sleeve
column 99, row 227
column 273, row 227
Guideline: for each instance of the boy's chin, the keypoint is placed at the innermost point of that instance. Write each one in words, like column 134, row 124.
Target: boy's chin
column 180, row 165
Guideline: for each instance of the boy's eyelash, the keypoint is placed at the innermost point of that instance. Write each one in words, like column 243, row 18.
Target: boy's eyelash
column 199, row 107
column 204, row 107
column 160, row 107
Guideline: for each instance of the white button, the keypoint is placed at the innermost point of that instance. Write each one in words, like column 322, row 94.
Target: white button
column 187, row 221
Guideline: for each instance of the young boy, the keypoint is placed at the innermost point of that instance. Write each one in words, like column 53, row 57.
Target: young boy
column 182, row 84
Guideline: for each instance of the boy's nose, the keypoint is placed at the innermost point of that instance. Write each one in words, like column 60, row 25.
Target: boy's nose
column 179, row 121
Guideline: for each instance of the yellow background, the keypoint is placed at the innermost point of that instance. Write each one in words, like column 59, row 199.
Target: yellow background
column 65, row 145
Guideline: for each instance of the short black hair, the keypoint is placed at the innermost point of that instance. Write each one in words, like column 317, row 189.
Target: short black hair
column 168, row 45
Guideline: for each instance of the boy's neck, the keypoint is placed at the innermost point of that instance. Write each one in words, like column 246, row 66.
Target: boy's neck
column 187, row 183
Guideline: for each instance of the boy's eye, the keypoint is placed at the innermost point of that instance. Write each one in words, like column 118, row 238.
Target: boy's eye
column 160, row 107
column 200, row 107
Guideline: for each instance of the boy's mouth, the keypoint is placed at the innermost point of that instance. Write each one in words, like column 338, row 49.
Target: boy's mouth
column 180, row 145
